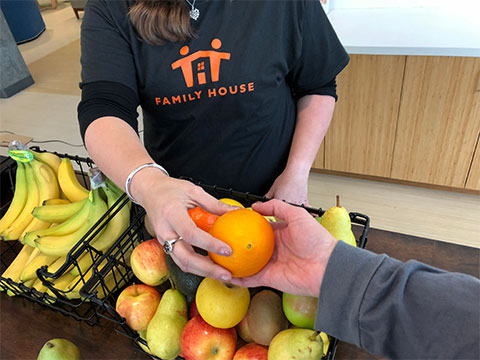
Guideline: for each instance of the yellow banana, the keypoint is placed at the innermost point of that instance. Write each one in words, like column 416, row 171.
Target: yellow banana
column 52, row 269
column 67, row 227
column 19, row 198
column 69, row 183
column 116, row 226
column 38, row 285
column 57, row 213
column 33, row 255
column 114, row 279
column 16, row 228
column 84, row 263
column 61, row 283
column 16, row 267
column 52, row 160
column 30, row 270
column 61, row 245
column 48, row 189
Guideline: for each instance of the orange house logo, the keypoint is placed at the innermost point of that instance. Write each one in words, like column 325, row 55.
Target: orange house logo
column 191, row 71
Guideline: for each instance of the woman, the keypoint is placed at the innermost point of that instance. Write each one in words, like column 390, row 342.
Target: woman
column 233, row 93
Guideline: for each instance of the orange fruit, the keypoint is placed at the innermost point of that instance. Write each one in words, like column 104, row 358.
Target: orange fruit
column 232, row 202
column 202, row 218
column 249, row 235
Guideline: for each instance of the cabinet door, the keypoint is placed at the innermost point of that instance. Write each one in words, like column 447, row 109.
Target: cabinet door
column 473, row 180
column 439, row 120
column 319, row 162
column 361, row 136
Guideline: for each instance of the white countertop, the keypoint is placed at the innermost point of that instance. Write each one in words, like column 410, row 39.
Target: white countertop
column 409, row 31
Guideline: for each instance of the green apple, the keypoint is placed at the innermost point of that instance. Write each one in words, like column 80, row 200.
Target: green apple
column 300, row 310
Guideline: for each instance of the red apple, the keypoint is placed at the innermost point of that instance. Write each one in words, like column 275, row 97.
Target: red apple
column 137, row 304
column 148, row 263
column 251, row 351
column 201, row 341
column 193, row 310
column 243, row 330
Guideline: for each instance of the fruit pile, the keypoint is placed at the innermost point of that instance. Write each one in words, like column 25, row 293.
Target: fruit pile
column 202, row 318
column 50, row 213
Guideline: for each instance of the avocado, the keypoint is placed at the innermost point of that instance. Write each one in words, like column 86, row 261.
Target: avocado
column 184, row 282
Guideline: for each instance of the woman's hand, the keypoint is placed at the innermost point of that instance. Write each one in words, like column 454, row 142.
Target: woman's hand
column 167, row 201
column 302, row 250
column 291, row 187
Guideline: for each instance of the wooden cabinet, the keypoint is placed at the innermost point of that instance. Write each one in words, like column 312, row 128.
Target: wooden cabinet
column 409, row 118
column 361, row 136
column 319, row 162
column 473, row 179
column 438, row 121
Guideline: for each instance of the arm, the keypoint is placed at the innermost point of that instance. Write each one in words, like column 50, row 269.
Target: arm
column 117, row 150
column 393, row 309
column 399, row 310
column 314, row 113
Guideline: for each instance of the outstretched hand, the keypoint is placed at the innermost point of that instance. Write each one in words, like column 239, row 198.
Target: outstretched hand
column 300, row 257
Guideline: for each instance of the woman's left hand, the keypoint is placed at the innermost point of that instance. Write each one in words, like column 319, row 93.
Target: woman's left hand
column 291, row 187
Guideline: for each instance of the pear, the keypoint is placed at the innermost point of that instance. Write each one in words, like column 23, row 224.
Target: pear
column 298, row 344
column 165, row 328
column 59, row 349
column 337, row 221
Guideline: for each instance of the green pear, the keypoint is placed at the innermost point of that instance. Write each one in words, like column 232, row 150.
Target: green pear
column 337, row 221
column 59, row 349
column 298, row 344
column 165, row 328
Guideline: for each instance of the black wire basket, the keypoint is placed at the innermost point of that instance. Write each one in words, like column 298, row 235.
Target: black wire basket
column 116, row 264
column 67, row 302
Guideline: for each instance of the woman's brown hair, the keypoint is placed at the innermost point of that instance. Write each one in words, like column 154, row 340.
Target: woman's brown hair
column 160, row 21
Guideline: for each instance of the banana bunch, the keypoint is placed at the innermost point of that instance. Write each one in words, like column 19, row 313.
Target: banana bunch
column 50, row 214
column 41, row 180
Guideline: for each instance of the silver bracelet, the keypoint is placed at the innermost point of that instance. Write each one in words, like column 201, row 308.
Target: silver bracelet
column 132, row 174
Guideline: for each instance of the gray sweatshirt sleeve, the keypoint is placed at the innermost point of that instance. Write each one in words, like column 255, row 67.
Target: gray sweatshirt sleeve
column 399, row 310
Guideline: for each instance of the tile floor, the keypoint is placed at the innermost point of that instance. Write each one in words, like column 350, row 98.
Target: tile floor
column 435, row 214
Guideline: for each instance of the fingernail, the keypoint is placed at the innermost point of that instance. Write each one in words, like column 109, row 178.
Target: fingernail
column 226, row 252
column 225, row 278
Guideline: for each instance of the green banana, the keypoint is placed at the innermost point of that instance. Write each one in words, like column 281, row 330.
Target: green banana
column 67, row 227
column 116, row 226
column 61, row 245
column 57, row 213
column 19, row 198
column 16, row 228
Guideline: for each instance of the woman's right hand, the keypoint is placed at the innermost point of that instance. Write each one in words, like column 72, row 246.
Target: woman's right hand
column 167, row 201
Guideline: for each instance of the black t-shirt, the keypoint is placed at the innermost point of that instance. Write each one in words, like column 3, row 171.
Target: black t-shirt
column 222, row 107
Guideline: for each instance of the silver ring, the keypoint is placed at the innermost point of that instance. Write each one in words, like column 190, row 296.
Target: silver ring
column 168, row 245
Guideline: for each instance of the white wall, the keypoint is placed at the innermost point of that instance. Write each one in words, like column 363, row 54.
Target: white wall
column 366, row 4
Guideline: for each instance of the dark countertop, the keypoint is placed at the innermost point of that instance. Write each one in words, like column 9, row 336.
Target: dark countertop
column 26, row 326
